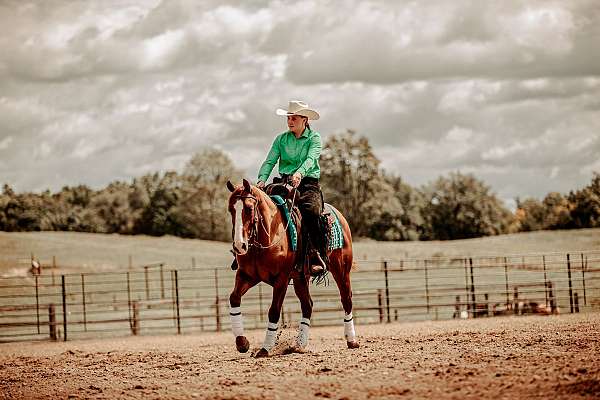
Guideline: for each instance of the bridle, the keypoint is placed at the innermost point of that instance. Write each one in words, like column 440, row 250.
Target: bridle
column 253, row 235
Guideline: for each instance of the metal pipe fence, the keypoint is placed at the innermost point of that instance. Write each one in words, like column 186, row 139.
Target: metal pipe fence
column 159, row 299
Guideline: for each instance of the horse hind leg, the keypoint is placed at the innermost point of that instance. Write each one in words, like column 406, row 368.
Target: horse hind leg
column 342, row 279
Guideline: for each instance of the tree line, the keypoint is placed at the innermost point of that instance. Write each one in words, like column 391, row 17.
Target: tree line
column 379, row 205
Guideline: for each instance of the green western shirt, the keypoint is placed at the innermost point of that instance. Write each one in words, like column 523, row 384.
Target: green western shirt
column 294, row 155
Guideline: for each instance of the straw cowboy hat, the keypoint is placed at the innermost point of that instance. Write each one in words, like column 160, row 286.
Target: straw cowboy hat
column 298, row 108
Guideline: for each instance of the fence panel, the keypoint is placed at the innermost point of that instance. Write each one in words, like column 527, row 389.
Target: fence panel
column 161, row 299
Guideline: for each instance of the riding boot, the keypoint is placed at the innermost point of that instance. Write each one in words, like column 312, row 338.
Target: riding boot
column 234, row 264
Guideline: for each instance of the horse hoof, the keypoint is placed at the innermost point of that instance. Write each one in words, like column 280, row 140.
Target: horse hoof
column 261, row 353
column 353, row 345
column 242, row 344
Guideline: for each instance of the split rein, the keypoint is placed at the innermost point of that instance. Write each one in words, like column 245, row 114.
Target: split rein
column 253, row 237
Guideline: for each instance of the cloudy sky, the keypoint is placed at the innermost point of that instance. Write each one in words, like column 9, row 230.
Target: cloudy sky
column 94, row 91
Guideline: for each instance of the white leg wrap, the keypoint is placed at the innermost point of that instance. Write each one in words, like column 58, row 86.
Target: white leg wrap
column 349, row 328
column 270, row 336
column 302, row 338
column 237, row 324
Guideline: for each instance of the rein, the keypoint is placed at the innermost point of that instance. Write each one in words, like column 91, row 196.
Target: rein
column 253, row 238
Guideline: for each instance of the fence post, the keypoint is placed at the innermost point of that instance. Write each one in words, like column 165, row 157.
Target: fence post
column 426, row 284
column 135, row 324
column 468, row 303
column 583, row 268
column 177, row 302
column 162, row 283
column 551, row 298
column 129, row 300
column 506, row 280
column 64, row 301
column 147, row 285
column 217, row 309
column 473, row 301
column 576, row 301
column 545, row 279
column 570, row 283
column 387, row 291
column 37, row 303
column 456, row 308
column 52, row 321
column 380, row 304
column 516, row 300
column 83, row 302
column 487, row 308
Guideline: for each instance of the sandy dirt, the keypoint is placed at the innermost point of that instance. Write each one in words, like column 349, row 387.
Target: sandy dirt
column 509, row 357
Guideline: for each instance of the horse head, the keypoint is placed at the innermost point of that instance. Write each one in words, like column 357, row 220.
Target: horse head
column 243, row 207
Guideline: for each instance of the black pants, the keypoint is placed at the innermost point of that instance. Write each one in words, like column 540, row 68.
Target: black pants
column 311, row 205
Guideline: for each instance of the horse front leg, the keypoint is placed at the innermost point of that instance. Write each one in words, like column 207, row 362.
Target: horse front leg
column 279, row 290
column 242, row 285
column 306, row 304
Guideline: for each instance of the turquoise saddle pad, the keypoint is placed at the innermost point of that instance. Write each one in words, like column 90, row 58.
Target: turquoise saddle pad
column 333, row 227
column 329, row 219
column 292, row 230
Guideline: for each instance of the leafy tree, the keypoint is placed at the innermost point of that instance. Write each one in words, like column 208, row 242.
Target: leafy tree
column 462, row 207
column 530, row 215
column 203, row 205
column 158, row 217
column 353, row 182
column 410, row 224
column 585, row 212
column 557, row 211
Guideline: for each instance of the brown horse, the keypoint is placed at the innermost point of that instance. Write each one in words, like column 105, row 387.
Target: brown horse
column 264, row 254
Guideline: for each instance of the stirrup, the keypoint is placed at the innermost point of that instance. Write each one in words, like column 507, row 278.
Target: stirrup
column 316, row 269
column 317, row 265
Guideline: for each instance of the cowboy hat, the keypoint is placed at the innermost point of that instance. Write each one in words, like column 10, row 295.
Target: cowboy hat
column 298, row 108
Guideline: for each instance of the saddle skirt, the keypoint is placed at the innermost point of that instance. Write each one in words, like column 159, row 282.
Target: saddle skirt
column 334, row 234
column 332, row 228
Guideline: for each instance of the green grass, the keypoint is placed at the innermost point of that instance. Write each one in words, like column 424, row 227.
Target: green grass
column 85, row 252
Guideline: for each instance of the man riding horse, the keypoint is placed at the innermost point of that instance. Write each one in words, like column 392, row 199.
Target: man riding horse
column 297, row 151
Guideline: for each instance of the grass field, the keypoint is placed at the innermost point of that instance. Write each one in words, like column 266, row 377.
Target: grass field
column 85, row 252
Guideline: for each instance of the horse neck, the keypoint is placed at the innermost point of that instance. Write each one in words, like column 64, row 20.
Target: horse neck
column 268, row 213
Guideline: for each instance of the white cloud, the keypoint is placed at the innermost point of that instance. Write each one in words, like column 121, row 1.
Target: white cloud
column 4, row 143
column 98, row 91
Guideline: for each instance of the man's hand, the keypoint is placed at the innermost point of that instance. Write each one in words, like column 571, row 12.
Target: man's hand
column 296, row 179
column 260, row 185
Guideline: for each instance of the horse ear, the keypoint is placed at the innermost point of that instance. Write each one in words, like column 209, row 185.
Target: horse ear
column 230, row 186
column 247, row 185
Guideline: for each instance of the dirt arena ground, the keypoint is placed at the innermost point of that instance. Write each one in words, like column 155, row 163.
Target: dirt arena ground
column 510, row 357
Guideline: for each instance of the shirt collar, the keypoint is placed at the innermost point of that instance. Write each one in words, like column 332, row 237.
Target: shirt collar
column 306, row 133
